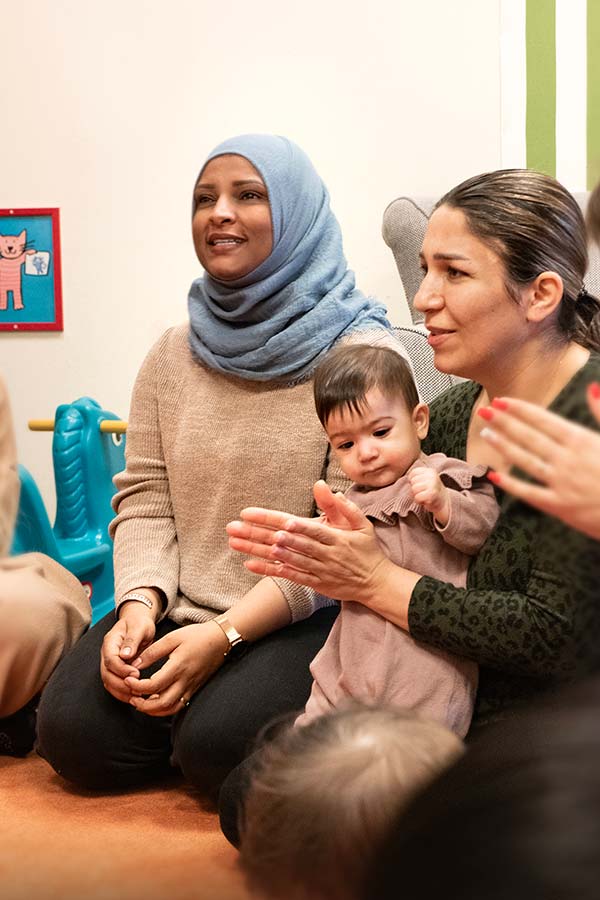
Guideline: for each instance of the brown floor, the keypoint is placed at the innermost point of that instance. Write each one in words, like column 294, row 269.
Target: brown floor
column 60, row 844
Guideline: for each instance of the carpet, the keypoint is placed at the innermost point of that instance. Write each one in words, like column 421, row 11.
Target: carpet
column 59, row 843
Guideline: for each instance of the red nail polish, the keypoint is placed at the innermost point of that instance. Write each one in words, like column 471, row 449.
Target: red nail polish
column 494, row 477
column 486, row 413
column 499, row 403
column 594, row 390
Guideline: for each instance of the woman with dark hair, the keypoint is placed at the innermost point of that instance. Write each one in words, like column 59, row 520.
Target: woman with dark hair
column 221, row 413
column 562, row 457
column 504, row 258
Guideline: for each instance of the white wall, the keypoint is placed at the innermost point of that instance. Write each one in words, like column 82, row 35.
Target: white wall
column 108, row 109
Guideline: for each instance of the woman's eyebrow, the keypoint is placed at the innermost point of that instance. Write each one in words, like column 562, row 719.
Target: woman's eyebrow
column 446, row 256
column 211, row 187
column 249, row 181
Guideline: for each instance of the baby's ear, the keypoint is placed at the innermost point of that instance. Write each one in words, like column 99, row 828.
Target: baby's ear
column 420, row 417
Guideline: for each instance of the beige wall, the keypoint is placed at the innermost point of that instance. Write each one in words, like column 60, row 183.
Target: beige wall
column 108, row 109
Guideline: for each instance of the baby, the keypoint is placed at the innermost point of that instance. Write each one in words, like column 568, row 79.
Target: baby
column 431, row 514
column 322, row 799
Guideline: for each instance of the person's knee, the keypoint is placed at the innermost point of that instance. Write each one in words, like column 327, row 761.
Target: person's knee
column 71, row 741
column 65, row 737
column 206, row 751
column 71, row 732
column 28, row 655
column 95, row 741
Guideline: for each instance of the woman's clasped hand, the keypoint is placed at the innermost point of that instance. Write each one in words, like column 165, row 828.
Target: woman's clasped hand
column 188, row 657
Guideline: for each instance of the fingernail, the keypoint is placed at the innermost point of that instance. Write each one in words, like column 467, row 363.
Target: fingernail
column 486, row 413
column 595, row 390
column 137, row 662
column 499, row 403
column 488, row 433
column 154, row 697
column 126, row 651
column 494, row 477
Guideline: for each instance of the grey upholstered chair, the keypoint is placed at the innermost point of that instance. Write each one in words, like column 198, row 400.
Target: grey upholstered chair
column 404, row 225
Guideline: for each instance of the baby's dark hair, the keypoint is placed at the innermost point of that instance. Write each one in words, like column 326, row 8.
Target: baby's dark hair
column 349, row 372
column 323, row 796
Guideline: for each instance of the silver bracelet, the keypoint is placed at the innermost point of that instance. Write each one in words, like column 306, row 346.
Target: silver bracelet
column 134, row 595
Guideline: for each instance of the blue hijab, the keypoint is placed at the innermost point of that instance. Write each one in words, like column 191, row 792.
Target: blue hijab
column 277, row 321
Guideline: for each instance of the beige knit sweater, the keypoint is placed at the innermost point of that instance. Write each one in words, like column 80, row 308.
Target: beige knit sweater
column 201, row 446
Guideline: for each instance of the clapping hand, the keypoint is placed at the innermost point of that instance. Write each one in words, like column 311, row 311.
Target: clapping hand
column 562, row 456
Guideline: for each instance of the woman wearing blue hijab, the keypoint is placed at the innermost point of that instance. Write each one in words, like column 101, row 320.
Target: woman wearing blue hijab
column 202, row 654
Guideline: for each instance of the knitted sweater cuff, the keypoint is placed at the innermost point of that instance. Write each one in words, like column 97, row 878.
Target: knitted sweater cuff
column 302, row 601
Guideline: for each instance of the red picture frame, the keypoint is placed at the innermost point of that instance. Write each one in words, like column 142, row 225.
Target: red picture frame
column 30, row 270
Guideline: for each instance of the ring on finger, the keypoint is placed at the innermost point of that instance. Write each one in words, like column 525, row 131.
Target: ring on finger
column 184, row 701
column 542, row 469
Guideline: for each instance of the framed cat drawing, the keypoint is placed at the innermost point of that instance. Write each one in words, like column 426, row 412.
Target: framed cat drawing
column 30, row 274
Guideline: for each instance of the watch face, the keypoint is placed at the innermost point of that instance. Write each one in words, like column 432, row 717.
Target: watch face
column 237, row 649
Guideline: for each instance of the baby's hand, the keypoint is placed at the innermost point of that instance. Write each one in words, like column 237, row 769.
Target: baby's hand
column 428, row 490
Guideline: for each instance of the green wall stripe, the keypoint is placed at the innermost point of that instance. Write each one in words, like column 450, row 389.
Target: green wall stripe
column 540, row 37
column 593, row 92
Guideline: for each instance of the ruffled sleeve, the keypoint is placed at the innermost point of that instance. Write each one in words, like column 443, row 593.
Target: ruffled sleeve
column 473, row 507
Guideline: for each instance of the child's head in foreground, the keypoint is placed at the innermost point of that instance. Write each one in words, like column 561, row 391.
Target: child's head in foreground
column 324, row 795
column 367, row 402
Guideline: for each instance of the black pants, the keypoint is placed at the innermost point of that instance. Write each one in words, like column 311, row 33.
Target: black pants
column 232, row 797
column 98, row 742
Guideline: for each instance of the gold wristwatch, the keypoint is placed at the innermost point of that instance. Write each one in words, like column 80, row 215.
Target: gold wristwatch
column 237, row 644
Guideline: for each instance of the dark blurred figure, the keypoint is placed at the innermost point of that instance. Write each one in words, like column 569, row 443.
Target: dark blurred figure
column 517, row 818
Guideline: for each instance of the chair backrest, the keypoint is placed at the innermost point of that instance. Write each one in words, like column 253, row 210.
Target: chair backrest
column 404, row 225
column 430, row 381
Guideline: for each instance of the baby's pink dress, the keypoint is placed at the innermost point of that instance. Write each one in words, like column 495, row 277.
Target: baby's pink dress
column 369, row 659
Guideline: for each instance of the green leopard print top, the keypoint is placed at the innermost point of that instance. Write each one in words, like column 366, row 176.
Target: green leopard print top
column 530, row 613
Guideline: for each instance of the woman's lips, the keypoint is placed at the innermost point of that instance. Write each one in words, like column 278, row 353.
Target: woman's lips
column 438, row 336
column 225, row 243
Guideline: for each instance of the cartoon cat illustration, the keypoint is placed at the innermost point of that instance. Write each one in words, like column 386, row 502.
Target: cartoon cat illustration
column 13, row 250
